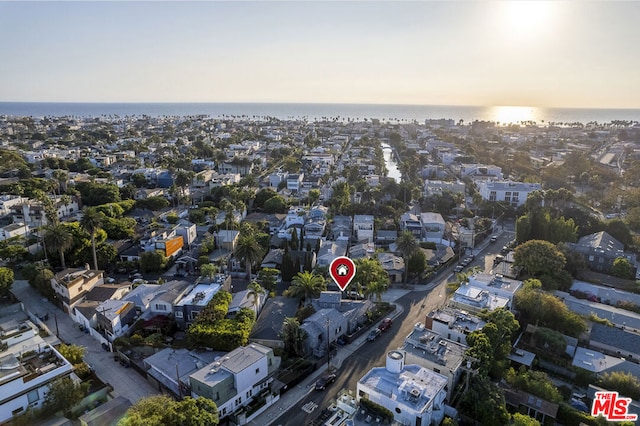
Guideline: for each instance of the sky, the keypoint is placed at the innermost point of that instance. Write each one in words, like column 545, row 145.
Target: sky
column 485, row 53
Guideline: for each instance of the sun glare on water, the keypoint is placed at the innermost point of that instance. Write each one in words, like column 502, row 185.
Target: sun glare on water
column 505, row 115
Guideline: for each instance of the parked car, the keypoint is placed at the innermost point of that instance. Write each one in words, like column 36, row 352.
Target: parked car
column 355, row 295
column 373, row 334
column 325, row 380
column 493, row 239
column 579, row 405
column 385, row 324
column 458, row 268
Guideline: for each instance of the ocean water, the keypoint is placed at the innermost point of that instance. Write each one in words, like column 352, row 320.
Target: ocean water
column 311, row 111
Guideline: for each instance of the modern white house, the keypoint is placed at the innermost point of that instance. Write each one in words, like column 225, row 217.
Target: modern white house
column 431, row 350
column 415, row 395
column 363, row 227
column 514, row 193
column 28, row 365
column 453, row 324
column 235, row 379
column 433, row 226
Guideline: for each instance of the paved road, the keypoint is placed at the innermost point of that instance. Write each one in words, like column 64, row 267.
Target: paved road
column 415, row 306
column 126, row 382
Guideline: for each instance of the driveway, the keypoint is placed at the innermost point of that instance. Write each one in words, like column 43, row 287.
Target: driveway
column 126, row 382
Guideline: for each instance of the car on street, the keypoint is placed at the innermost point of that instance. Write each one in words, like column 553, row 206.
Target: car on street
column 373, row 334
column 458, row 268
column 385, row 324
column 325, row 380
column 493, row 239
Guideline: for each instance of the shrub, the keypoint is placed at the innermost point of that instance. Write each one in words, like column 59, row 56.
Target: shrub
column 377, row 409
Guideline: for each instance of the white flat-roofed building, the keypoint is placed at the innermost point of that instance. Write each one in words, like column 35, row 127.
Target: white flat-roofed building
column 363, row 227
column 454, row 324
column 236, row 378
column 433, row 226
column 28, row 365
column 187, row 309
column 438, row 187
column 431, row 350
column 514, row 193
column 475, row 299
column 497, row 285
column 14, row 230
column 415, row 395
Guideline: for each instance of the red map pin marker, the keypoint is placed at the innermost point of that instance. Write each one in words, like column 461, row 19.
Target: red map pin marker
column 342, row 270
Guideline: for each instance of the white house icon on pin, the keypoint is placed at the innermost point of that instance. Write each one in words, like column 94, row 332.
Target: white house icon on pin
column 342, row 270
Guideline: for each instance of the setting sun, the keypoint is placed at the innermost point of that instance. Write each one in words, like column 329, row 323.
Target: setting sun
column 527, row 18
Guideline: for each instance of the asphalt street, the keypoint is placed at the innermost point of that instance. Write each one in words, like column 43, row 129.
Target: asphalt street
column 125, row 381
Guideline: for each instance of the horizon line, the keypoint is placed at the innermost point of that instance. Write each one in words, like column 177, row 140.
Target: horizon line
column 315, row 103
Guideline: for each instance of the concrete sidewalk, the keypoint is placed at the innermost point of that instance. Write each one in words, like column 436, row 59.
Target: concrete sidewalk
column 297, row 394
column 126, row 382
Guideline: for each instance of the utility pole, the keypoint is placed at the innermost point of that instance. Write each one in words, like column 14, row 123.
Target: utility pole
column 55, row 317
column 328, row 347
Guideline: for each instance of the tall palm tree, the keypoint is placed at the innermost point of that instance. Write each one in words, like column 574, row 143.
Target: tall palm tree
column 255, row 290
column 58, row 238
column 91, row 222
column 306, row 286
column 407, row 245
column 292, row 336
column 248, row 251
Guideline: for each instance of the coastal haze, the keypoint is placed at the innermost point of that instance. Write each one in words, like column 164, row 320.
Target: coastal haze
column 178, row 178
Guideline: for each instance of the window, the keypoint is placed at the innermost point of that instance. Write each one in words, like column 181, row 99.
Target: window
column 33, row 396
column 257, row 370
column 194, row 314
column 217, row 396
column 492, row 196
column 160, row 307
column 224, row 411
column 178, row 314
column 436, row 370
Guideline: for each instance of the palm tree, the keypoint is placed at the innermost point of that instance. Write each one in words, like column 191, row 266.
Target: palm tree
column 248, row 251
column 407, row 245
column 65, row 200
column 58, row 238
column 255, row 290
column 292, row 337
column 306, row 286
column 91, row 222
column 369, row 272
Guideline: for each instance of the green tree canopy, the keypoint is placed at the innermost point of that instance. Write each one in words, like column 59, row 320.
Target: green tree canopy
column 622, row 268
column 625, row 383
column 306, row 286
column 538, row 307
column 73, row 353
column 152, row 261
column 161, row 410
column 63, row 394
column 370, row 277
column 293, row 337
column 407, row 245
column 6, row 280
column 539, row 257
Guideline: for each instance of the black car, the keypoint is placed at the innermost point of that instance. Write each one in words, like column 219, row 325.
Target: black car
column 325, row 380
